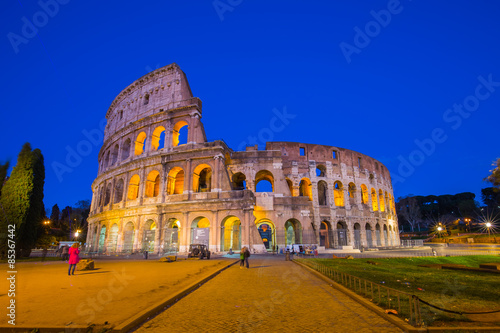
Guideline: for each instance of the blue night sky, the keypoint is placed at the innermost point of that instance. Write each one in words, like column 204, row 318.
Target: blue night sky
column 410, row 83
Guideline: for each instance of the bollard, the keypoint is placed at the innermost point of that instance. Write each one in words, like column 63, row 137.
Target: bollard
column 287, row 256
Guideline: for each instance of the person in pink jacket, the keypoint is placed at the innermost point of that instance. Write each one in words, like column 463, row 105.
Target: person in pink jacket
column 73, row 258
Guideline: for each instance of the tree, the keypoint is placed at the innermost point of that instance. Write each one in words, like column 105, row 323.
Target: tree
column 3, row 174
column 407, row 207
column 22, row 200
column 491, row 198
column 494, row 178
column 54, row 216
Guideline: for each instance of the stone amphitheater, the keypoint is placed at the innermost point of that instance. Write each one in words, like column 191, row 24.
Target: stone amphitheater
column 161, row 186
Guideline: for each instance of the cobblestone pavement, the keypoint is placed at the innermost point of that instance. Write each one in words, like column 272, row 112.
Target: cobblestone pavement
column 273, row 295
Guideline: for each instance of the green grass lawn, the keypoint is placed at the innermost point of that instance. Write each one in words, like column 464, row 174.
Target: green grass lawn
column 449, row 289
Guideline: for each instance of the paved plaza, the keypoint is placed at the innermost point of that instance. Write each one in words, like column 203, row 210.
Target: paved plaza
column 273, row 294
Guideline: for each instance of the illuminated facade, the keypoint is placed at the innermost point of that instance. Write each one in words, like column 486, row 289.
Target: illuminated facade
column 161, row 186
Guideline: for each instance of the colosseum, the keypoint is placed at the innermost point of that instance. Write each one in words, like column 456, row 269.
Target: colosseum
column 161, row 186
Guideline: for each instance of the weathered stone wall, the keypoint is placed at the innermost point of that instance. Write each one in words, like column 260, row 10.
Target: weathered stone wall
column 152, row 192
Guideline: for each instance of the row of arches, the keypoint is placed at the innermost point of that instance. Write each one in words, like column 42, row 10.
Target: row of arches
column 202, row 182
column 138, row 147
column 379, row 201
column 147, row 237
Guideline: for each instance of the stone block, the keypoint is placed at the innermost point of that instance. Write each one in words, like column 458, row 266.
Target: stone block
column 85, row 265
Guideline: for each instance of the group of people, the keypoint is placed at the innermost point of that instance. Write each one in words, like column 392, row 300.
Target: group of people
column 244, row 255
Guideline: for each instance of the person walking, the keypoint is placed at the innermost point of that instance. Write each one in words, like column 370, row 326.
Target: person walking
column 246, row 254
column 74, row 251
column 242, row 257
column 64, row 252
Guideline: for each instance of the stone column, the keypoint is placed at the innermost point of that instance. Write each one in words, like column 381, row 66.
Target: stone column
column 168, row 135
column 187, row 233
column 216, row 186
column 142, row 184
column 163, row 182
column 188, row 176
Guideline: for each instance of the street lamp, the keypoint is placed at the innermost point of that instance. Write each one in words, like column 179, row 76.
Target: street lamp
column 77, row 233
column 439, row 231
column 46, row 222
column 488, row 226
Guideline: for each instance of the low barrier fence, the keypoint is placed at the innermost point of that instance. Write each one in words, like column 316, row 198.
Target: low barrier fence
column 406, row 305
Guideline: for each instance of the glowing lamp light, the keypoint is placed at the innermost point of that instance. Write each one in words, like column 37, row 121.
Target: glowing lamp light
column 439, row 228
column 488, row 224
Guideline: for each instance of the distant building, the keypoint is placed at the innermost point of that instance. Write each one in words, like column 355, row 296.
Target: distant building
column 161, row 186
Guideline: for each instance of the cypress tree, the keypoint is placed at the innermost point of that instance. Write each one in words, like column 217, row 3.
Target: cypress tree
column 22, row 200
column 54, row 216
column 3, row 174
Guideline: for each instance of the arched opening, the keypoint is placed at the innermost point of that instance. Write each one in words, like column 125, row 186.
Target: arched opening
column 267, row 179
column 126, row 149
column 386, row 236
column 148, row 236
column 320, row 171
column 322, row 193
column 338, row 193
column 106, row 160
column 118, row 191
column 114, row 155
column 107, row 196
column 200, row 231
column 140, row 143
column 158, row 138
column 133, row 187
column 231, row 234
column 179, row 133
column 293, row 231
column 171, row 236
column 326, row 235
column 364, row 194
column 175, row 183
column 374, row 200
column 202, row 178
column 146, row 99
column 381, row 199
column 113, row 238
column 352, row 193
column 369, row 238
column 102, row 239
column 128, row 237
column 153, row 184
column 290, row 186
column 377, row 234
column 357, row 236
column 305, row 188
column 239, row 181
column 267, row 234
column 342, row 233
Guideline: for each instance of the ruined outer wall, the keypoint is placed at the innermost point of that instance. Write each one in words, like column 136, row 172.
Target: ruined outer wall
column 162, row 176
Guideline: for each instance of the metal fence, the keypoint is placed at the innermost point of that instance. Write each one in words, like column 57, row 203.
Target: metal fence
column 406, row 305
column 411, row 242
